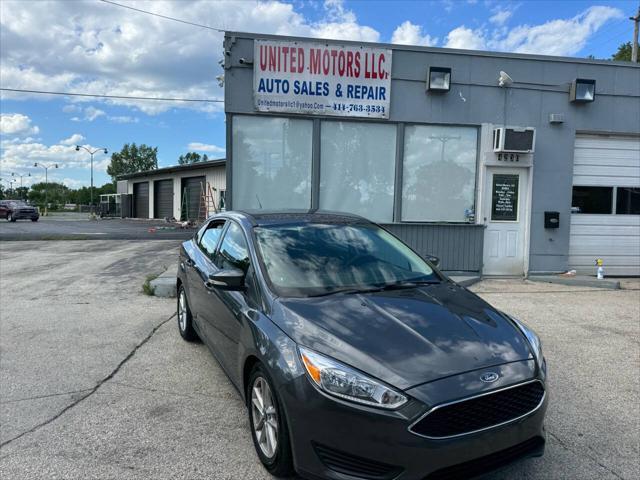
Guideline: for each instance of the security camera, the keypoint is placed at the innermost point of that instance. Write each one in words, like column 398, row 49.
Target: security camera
column 105, row 151
column 504, row 80
column 244, row 61
column 77, row 148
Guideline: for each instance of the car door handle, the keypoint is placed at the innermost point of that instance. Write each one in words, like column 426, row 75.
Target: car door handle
column 209, row 286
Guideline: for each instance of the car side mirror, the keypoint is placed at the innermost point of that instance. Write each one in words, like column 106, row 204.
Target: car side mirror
column 435, row 261
column 227, row 279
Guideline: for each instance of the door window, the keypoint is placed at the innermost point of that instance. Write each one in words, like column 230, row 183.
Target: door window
column 234, row 252
column 504, row 198
column 209, row 238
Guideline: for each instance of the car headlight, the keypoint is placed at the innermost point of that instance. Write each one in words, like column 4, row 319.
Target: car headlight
column 344, row 382
column 533, row 339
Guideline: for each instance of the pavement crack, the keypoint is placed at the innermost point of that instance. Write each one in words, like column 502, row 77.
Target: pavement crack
column 564, row 445
column 92, row 390
column 37, row 397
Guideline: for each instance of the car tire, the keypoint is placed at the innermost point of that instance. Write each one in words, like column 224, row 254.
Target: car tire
column 10, row 217
column 277, row 459
column 34, row 219
column 185, row 319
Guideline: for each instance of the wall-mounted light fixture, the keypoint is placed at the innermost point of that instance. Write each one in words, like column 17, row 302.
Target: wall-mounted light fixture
column 582, row 90
column 439, row 79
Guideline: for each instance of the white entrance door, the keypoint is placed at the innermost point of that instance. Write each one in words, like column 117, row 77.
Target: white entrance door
column 505, row 215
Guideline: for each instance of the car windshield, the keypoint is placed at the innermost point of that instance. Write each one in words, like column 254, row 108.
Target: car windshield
column 319, row 259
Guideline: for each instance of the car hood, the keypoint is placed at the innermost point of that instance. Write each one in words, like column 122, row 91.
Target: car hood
column 404, row 337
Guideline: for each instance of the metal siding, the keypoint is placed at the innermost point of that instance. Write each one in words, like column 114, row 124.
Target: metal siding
column 606, row 161
column 141, row 199
column 459, row 247
column 163, row 198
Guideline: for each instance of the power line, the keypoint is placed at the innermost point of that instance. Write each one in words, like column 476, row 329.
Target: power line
column 125, row 97
column 163, row 16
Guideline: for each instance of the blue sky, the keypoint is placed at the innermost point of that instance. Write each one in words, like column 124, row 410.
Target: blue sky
column 92, row 47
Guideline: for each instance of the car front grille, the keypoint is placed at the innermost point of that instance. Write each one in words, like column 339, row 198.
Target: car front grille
column 480, row 412
column 348, row 464
column 479, row 466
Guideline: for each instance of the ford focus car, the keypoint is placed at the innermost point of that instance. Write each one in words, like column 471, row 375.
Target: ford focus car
column 357, row 358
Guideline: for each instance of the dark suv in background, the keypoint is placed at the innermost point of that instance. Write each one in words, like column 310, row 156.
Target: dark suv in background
column 14, row 210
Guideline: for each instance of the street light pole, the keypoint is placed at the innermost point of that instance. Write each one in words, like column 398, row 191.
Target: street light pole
column 21, row 177
column 91, row 152
column 46, row 182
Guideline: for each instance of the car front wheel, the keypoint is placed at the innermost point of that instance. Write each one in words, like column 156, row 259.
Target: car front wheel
column 10, row 217
column 185, row 319
column 268, row 425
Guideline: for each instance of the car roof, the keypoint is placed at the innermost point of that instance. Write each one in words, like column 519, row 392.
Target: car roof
column 274, row 217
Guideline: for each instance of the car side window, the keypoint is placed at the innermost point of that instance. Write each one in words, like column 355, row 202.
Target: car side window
column 234, row 251
column 209, row 238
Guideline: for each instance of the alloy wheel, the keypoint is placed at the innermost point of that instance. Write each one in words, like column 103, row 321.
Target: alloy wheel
column 265, row 417
column 182, row 311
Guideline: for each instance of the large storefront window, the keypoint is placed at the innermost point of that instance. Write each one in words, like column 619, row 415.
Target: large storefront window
column 357, row 165
column 271, row 162
column 439, row 173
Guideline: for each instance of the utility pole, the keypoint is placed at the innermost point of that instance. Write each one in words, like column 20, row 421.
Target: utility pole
column 634, row 49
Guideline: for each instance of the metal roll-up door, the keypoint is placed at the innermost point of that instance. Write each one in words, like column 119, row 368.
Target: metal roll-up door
column 141, row 200
column 605, row 218
column 163, row 199
column 191, row 200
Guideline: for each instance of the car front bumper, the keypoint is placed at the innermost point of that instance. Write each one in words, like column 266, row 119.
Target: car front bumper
column 21, row 214
column 332, row 439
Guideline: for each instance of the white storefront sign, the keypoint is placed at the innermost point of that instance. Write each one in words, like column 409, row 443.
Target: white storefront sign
column 320, row 78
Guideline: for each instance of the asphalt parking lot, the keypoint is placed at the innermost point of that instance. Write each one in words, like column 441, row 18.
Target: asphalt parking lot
column 95, row 381
column 74, row 226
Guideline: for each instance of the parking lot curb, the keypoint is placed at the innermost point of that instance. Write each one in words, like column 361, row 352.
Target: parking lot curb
column 576, row 281
column 164, row 285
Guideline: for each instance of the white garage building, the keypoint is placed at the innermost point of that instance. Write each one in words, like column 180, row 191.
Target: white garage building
column 175, row 191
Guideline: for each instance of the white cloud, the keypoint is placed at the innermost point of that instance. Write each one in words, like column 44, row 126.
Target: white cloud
column 408, row 33
column 23, row 155
column 71, row 109
column 205, row 147
column 16, row 124
column 555, row 37
column 123, row 119
column 463, row 37
column 103, row 49
column 559, row 37
column 500, row 17
column 91, row 113
column 74, row 139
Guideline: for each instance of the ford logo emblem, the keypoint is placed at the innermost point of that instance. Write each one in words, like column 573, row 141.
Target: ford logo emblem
column 489, row 377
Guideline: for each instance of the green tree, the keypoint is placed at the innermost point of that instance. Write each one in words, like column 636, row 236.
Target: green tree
column 56, row 194
column 624, row 53
column 191, row 157
column 131, row 159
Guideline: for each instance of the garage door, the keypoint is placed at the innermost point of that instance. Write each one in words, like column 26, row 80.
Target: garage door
column 605, row 218
column 191, row 199
column 141, row 200
column 163, row 199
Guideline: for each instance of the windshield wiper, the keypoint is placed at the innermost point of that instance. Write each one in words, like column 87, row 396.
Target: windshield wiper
column 379, row 288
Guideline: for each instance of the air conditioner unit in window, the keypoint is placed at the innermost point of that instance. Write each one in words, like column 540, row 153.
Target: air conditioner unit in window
column 514, row 140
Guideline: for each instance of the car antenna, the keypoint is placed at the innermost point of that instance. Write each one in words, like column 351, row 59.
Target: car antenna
column 258, row 198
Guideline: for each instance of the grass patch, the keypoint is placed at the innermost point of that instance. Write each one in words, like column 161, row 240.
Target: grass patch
column 147, row 289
